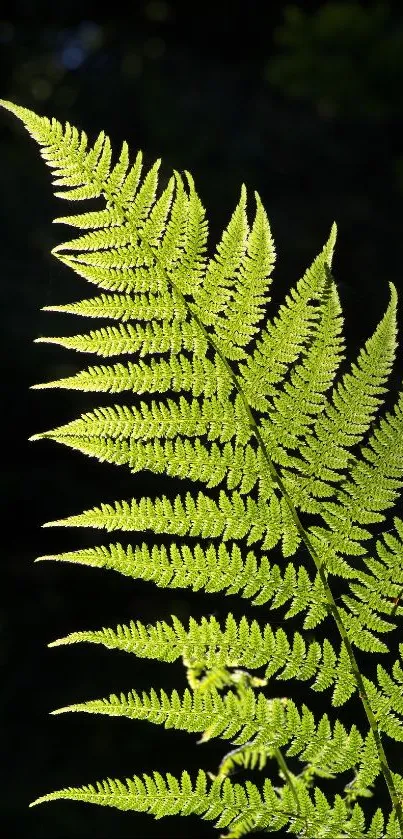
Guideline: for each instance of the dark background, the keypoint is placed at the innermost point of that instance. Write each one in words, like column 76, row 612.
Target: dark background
column 303, row 105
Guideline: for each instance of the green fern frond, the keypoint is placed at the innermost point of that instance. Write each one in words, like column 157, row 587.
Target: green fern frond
column 292, row 451
column 165, row 419
column 270, row 723
column 222, row 801
column 211, row 569
column 237, row 279
column 346, row 417
column 249, row 756
column 231, row 518
column 283, row 340
column 199, row 376
column 151, row 339
column 239, row 808
column 310, row 379
column 205, row 645
column 122, row 307
column 381, row 587
column 388, row 701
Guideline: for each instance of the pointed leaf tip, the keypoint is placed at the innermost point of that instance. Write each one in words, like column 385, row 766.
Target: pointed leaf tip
column 8, row 106
column 333, row 233
column 41, row 386
column 43, row 799
column 57, row 643
column 393, row 293
column 44, row 435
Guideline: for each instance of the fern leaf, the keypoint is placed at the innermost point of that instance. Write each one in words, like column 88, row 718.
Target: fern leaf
column 199, row 376
column 381, row 586
column 310, row 379
column 231, row 518
column 245, row 645
column 283, row 340
column 237, row 280
column 211, row 569
column 351, row 407
column 222, row 802
column 241, row 809
column 124, row 307
column 163, row 419
column 151, row 339
column 269, row 724
column 293, row 455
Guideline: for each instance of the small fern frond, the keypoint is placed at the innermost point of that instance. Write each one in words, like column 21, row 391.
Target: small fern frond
column 84, row 173
column 168, row 419
column 237, row 279
column 382, row 458
column 124, row 307
column 243, row 719
column 240, row 809
column 342, row 424
column 310, row 379
column 199, row 376
column 249, row 756
column 211, row 570
column 230, row 518
column 221, row 801
column 205, row 645
column 283, row 340
column 381, row 586
column 387, row 701
column 127, row 339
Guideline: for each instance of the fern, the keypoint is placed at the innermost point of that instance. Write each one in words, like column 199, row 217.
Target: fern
column 289, row 453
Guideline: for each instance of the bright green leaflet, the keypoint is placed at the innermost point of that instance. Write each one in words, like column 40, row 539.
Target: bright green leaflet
column 293, row 455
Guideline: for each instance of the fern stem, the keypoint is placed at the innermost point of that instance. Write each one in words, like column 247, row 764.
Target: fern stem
column 287, row 775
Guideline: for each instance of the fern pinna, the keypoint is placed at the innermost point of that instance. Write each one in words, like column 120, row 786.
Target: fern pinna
column 291, row 459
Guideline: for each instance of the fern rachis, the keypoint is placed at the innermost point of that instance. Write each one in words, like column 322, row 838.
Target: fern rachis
column 292, row 456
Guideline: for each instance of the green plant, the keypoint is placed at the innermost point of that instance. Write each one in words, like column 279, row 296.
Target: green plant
column 307, row 462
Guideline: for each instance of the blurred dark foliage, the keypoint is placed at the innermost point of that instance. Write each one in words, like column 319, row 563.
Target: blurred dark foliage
column 346, row 58
column 302, row 103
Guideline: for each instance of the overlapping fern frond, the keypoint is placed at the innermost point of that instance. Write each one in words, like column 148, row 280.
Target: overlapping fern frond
column 289, row 450
column 241, row 808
